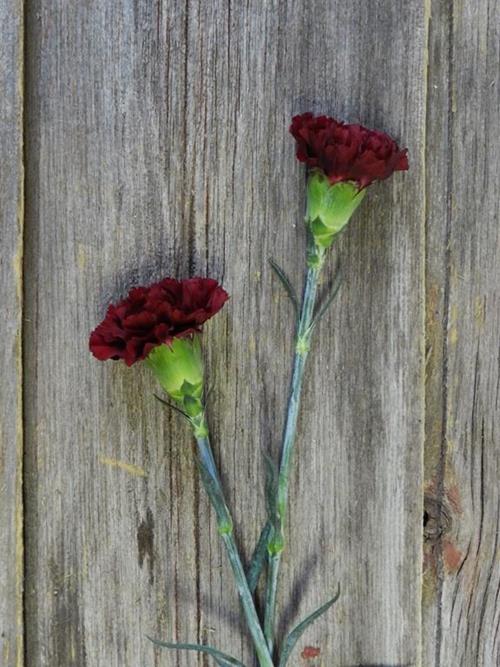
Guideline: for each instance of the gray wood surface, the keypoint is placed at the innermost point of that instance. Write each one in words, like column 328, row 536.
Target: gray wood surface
column 462, row 553
column 156, row 144
column 11, row 262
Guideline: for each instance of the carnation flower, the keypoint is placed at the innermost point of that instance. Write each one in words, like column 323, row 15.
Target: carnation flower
column 153, row 315
column 346, row 152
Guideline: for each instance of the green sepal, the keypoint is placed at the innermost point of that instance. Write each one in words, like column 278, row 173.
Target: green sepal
column 322, row 234
column 315, row 253
column 220, row 657
column 189, row 389
column 330, row 206
column 299, row 630
column 192, row 406
column 178, row 366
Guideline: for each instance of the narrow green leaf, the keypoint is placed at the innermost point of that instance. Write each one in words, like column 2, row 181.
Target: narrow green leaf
column 259, row 558
column 285, row 281
column 298, row 631
column 220, row 657
column 171, row 405
column 333, row 293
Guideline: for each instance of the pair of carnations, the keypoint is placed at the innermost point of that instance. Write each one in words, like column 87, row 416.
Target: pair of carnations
column 161, row 325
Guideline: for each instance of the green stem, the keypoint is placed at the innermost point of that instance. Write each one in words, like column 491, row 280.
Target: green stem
column 302, row 342
column 259, row 557
column 213, row 487
column 273, row 565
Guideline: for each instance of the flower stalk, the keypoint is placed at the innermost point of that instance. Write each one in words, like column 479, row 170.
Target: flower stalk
column 343, row 160
column 213, row 487
column 302, row 345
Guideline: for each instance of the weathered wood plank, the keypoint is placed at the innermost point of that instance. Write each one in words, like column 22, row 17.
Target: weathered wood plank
column 461, row 565
column 11, row 243
column 158, row 144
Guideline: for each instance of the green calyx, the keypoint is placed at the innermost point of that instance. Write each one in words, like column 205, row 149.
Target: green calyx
column 329, row 207
column 178, row 367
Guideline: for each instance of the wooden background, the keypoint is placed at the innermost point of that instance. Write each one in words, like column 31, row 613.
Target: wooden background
column 145, row 138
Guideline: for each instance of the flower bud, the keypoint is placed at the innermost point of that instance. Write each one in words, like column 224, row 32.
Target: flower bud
column 178, row 366
column 330, row 206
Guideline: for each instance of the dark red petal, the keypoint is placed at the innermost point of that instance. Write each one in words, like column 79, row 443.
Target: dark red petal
column 217, row 300
column 402, row 163
column 162, row 332
column 139, row 321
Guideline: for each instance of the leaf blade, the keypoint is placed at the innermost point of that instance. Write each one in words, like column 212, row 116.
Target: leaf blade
column 285, row 281
column 221, row 658
column 171, row 406
column 299, row 629
column 337, row 282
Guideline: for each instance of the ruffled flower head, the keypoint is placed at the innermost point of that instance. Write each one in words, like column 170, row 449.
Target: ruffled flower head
column 151, row 316
column 346, row 152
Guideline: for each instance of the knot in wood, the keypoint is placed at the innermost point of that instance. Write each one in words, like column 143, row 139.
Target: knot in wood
column 437, row 519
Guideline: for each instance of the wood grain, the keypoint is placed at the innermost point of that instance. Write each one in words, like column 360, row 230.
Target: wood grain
column 157, row 142
column 11, row 259
column 462, row 573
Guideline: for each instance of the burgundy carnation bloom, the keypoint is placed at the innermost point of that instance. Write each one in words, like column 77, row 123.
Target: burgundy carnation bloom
column 346, row 152
column 153, row 315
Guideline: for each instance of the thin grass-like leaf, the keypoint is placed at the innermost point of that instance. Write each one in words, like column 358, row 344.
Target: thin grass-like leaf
column 220, row 657
column 259, row 557
column 333, row 293
column 299, row 630
column 285, row 281
column 171, row 405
